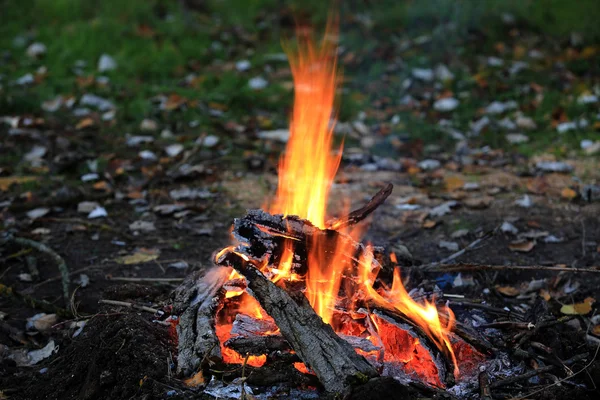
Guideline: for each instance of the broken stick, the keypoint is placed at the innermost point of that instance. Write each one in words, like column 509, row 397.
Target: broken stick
column 358, row 215
column 332, row 359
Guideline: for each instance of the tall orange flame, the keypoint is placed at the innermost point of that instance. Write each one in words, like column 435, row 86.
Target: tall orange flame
column 307, row 169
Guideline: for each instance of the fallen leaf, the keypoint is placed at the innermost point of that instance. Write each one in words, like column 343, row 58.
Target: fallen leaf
column 102, row 185
column 578, row 308
column 508, row 291
column 85, row 123
column 545, row 294
column 429, row 223
column 196, row 380
column 596, row 330
column 478, row 202
column 140, row 256
column 453, row 183
column 568, row 193
column 6, row 182
column 522, row 247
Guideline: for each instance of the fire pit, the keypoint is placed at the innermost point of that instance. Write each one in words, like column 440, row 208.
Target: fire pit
column 298, row 299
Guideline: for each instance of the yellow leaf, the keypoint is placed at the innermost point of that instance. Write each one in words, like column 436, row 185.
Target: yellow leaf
column 140, row 256
column 522, row 247
column 508, row 291
column 579, row 308
column 6, row 182
column 85, row 123
column 568, row 193
column 453, row 183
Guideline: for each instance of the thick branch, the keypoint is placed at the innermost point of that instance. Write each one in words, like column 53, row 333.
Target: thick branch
column 333, row 360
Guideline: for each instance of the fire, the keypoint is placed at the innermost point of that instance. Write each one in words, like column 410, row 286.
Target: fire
column 306, row 173
column 308, row 168
column 424, row 315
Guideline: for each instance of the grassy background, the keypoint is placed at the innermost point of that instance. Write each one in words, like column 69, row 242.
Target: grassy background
column 177, row 42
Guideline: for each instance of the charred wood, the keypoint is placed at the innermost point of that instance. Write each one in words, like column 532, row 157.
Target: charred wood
column 358, row 215
column 258, row 345
column 332, row 359
column 197, row 301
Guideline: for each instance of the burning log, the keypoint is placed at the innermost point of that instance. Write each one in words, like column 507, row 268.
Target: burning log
column 358, row 215
column 258, row 345
column 332, row 359
column 197, row 301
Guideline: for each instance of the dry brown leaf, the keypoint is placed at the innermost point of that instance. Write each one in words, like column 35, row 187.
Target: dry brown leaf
column 537, row 185
column 102, row 185
column 545, row 294
column 568, row 193
column 508, row 291
column 578, row 308
column 596, row 330
column 196, row 380
column 429, row 223
column 453, row 183
column 85, row 123
column 140, row 256
column 522, row 247
column 478, row 202
column 6, row 182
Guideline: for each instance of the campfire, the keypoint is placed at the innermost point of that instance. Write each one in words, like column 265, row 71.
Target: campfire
column 299, row 291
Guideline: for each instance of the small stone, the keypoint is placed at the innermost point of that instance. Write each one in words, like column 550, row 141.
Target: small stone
column 479, row 125
column 459, row 233
column 148, row 125
column 147, row 155
column 524, row 201
column 452, row 246
column 178, row 265
column 554, row 166
column 53, row 105
column 243, row 65
column 106, row 63
column 26, row 79
column 443, row 74
column 258, row 83
column 98, row 212
column 210, row 141
column 86, row 207
column 36, row 50
column 507, row 227
column 174, row 150
column 443, row 209
column 89, row 177
column 517, row 138
column 134, row 141
column 25, row 277
column 592, row 149
column 423, row 74
column 187, row 193
column 498, row 107
column 587, row 99
column 446, row 105
column 37, row 213
column 429, row 164
column 495, row 62
column 142, row 226
column 524, row 122
column 98, row 102
column 282, row 135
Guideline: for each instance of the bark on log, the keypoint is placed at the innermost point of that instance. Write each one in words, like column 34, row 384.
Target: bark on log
column 332, row 359
column 196, row 301
column 263, row 235
column 258, row 345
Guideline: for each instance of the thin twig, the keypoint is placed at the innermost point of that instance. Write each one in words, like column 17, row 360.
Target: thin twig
column 156, row 280
column 62, row 265
column 128, row 305
column 469, row 267
column 358, row 215
column 542, row 370
column 465, row 250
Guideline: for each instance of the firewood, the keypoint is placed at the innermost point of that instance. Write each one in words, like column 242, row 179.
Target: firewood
column 197, row 301
column 258, row 344
column 358, row 215
column 332, row 359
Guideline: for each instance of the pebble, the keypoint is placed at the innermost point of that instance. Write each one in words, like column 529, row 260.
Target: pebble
column 423, row 74
column 445, row 105
column 210, row 141
column 36, row 50
column 452, row 246
column 258, row 83
column 282, row 135
column 106, row 63
column 429, row 164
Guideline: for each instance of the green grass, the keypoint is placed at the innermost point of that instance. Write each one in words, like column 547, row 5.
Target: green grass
column 147, row 66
